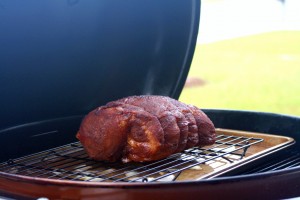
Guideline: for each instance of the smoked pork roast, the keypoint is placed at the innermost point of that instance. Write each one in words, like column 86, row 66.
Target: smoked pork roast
column 144, row 128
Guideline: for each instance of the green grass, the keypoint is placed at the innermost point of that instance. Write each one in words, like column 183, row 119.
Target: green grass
column 259, row 72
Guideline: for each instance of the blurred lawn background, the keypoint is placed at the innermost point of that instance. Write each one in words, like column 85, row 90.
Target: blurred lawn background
column 247, row 57
column 259, row 72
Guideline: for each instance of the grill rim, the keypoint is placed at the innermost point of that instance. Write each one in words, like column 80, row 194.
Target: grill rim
column 125, row 185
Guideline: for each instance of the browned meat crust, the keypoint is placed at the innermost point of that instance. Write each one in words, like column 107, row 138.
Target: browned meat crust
column 144, row 128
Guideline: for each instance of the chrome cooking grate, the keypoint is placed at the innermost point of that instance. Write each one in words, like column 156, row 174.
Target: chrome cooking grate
column 70, row 162
column 292, row 159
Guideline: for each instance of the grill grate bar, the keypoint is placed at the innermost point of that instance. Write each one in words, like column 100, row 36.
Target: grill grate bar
column 41, row 168
column 182, row 157
column 103, row 175
column 195, row 164
column 36, row 158
column 173, row 161
column 160, row 161
column 70, row 162
column 288, row 164
column 60, row 166
column 292, row 161
column 113, row 171
column 293, row 165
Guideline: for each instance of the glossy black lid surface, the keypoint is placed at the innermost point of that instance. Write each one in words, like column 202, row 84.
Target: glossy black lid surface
column 62, row 58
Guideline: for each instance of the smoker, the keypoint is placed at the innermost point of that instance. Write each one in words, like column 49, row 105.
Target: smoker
column 59, row 59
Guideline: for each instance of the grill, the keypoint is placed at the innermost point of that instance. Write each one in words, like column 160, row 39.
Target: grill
column 70, row 162
column 291, row 160
column 61, row 59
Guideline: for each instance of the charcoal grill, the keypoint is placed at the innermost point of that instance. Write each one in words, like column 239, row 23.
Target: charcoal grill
column 61, row 59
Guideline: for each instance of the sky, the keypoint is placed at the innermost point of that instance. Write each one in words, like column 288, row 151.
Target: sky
column 225, row 19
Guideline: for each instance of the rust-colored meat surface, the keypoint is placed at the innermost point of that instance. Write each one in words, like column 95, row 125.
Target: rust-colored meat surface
column 144, row 128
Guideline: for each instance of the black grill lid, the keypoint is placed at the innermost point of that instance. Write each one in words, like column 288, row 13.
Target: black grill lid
column 64, row 58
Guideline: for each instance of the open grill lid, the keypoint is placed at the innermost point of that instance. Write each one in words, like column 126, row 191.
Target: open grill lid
column 59, row 59
column 64, row 58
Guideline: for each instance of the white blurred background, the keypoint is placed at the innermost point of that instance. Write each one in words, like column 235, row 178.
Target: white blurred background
column 225, row 19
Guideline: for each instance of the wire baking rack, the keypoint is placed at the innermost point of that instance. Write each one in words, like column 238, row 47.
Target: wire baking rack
column 70, row 162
